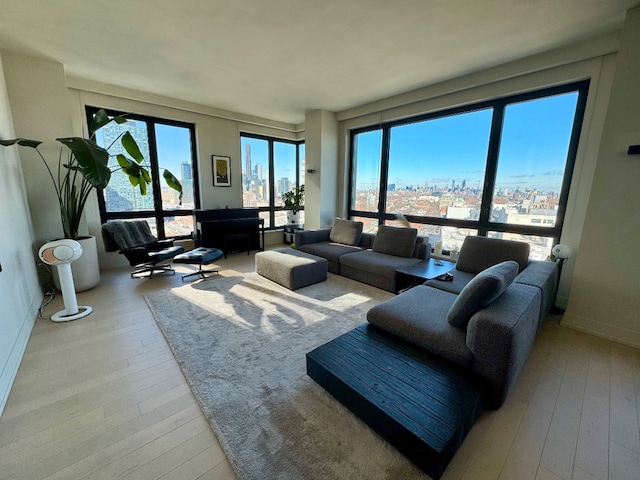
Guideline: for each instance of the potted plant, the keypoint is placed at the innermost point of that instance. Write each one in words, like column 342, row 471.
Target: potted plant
column 85, row 167
column 293, row 201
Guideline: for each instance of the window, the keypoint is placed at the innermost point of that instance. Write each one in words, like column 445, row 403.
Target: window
column 270, row 168
column 165, row 145
column 501, row 168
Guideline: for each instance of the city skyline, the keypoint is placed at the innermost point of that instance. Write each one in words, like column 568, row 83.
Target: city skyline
column 532, row 153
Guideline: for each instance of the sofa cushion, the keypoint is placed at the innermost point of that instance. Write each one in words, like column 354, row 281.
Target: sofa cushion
column 483, row 289
column 374, row 262
column 331, row 251
column 346, row 232
column 460, row 280
column 480, row 253
column 399, row 242
column 419, row 316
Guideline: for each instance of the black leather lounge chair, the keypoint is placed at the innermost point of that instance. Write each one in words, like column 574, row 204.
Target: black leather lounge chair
column 135, row 241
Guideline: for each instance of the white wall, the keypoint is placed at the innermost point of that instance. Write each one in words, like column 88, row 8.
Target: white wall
column 605, row 295
column 38, row 97
column 321, row 152
column 20, row 293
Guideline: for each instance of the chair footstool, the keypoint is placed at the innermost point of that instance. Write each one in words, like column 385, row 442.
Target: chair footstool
column 199, row 256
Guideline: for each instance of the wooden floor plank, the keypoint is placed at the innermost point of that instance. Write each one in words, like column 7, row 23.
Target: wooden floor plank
column 559, row 451
column 624, row 408
column 526, row 449
column 592, row 452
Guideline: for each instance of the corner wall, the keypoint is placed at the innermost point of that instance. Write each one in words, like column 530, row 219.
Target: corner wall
column 20, row 293
column 605, row 297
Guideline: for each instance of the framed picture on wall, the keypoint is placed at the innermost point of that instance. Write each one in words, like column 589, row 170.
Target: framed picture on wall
column 221, row 171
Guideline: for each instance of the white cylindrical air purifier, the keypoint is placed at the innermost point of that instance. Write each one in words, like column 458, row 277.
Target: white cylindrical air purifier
column 60, row 254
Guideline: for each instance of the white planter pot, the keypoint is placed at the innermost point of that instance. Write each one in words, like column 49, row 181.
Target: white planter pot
column 293, row 219
column 85, row 270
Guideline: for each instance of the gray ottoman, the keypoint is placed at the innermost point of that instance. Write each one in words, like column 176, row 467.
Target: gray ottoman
column 291, row 268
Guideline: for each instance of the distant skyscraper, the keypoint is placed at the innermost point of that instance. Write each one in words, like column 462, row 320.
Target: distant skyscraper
column 186, row 172
column 120, row 195
column 247, row 160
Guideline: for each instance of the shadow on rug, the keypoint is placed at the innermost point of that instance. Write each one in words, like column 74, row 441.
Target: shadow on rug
column 241, row 343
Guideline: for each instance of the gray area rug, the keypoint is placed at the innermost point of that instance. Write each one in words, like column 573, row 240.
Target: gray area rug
column 241, row 343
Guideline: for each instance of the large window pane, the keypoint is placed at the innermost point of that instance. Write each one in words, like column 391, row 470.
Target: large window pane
column 255, row 172
column 284, row 167
column 437, row 167
column 370, row 224
column 173, row 145
column 540, row 246
column 270, row 168
column 532, row 160
column 120, row 195
column 302, row 169
column 367, row 154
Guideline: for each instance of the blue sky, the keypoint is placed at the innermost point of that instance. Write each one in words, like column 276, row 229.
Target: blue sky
column 533, row 148
column 174, row 147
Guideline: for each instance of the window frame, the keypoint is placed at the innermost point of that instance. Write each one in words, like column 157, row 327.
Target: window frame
column 158, row 212
column 272, row 208
column 483, row 225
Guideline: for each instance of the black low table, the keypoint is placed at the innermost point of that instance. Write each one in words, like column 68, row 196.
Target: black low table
column 420, row 404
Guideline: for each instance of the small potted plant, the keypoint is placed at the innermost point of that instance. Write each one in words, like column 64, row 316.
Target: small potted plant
column 293, row 202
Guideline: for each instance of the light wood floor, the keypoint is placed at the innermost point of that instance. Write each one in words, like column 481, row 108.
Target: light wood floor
column 103, row 398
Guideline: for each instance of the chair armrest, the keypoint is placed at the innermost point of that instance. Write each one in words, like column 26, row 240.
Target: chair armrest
column 500, row 337
column 303, row 237
column 166, row 243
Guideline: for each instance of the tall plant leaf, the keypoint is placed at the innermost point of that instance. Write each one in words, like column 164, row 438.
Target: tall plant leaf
column 173, row 182
column 92, row 158
column 131, row 147
column 25, row 142
column 100, row 119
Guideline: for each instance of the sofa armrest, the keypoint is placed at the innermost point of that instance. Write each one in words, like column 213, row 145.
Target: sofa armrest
column 543, row 275
column 422, row 249
column 366, row 241
column 303, row 237
column 500, row 337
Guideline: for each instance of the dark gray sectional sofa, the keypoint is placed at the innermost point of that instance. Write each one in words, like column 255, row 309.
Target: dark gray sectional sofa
column 368, row 258
column 485, row 319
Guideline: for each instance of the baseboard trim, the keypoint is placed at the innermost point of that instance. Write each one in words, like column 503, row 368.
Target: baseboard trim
column 600, row 329
column 10, row 370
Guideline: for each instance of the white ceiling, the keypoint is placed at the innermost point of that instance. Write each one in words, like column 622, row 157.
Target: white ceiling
column 278, row 58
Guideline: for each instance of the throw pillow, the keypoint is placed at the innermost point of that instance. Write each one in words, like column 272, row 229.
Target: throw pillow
column 346, row 232
column 396, row 241
column 483, row 289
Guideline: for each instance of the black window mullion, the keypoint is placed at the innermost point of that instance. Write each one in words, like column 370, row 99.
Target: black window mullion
column 384, row 174
column 155, row 178
column 491, row 169
column 272, row 187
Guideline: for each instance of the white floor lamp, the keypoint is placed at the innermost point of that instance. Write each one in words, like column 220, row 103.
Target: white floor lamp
column 60, row 254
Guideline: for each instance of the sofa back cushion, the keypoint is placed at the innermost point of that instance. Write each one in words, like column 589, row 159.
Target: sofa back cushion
column 480, row 253
column 483, row 289
column 397, row 241
column 346, row 232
